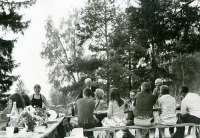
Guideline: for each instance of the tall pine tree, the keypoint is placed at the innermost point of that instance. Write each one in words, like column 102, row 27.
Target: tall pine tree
column 10, row 20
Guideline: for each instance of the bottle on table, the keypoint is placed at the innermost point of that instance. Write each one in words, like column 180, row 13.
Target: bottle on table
column 72, row 110
column 14, row 117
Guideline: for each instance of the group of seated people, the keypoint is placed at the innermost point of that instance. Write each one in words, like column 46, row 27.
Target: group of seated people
column 23, row 100
column 96, row 113
column 142, row 109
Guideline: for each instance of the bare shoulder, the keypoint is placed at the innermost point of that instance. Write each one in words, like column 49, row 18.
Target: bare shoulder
column 43, row 97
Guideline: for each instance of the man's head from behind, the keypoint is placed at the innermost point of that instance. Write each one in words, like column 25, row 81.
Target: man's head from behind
column 183, row 90
column 146, row 87
column 86, row 92
column 164, row 89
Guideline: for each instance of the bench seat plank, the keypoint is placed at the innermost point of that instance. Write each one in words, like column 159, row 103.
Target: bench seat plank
column 139, row 127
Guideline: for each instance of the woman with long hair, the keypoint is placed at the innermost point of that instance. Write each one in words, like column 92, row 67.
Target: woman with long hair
column 115, row 116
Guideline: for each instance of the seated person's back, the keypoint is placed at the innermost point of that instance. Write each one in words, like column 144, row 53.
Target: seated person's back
column 116, row 116
column 85, row 110
column 144, row 102
column 168, row 107
column 117, row 110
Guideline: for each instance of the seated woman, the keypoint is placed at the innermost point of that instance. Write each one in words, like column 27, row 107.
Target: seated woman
column 167, row 103
column 16, row 97
column 115, row 116
column 100, row 106
column 143, row 112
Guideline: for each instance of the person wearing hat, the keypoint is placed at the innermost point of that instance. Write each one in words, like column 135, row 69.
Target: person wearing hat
column 101, row 106
column 38, row 99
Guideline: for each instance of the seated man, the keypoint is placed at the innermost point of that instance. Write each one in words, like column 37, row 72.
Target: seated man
column 190, row 110
column 85, row 108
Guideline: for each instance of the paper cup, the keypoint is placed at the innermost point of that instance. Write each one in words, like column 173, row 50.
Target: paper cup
column 22, row 131
column 8, row 115
column 9, row 131
column 39, row 128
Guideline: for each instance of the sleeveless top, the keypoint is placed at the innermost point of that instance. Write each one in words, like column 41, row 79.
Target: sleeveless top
column 36, row 102
column 117, row 111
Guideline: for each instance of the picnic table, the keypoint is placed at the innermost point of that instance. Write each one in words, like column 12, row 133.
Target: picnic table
column 50, row 132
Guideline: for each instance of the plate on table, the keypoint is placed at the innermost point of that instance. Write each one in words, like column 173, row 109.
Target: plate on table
column 52, row 117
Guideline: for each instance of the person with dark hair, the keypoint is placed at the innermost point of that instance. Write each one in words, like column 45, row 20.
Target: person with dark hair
column 115, row 116
column 88, row 83
column 143, row 109
column 167, row 111
column 26, row 99
column 16, row 97
column 37, row 99
column 85, row 108
column 190, row 110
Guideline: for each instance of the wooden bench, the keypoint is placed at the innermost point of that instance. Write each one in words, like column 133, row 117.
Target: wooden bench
column 141, row 127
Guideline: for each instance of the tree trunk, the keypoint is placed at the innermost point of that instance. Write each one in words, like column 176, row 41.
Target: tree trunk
column 154, row 68
column 182, row 70
column 129, row 58
column 107, row 52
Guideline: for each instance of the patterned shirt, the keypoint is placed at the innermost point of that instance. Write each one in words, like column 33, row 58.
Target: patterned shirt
column 168, row 110
column 101, row 105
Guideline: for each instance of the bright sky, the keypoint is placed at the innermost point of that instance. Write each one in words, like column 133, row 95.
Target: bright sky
column 27, row 50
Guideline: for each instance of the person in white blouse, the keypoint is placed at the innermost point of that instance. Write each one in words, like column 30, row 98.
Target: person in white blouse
column 190, row 110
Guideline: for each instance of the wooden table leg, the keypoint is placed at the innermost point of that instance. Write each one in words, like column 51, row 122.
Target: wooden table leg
column 189, row 130
column 194, row 132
